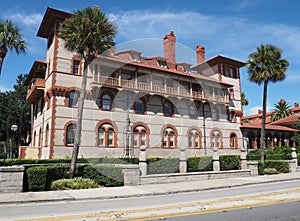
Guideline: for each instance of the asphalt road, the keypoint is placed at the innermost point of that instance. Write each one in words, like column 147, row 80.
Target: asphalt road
column 277, row 212
column 249, row 198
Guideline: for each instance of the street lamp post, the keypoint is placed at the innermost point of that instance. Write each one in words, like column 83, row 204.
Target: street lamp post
column 13, row 128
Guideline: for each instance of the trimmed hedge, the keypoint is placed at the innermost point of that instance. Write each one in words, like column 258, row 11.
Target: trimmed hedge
column 197, row 164
column 280, row 165
column 162, row 165
column 104, row 175
column 278, row 153
column 40, row 177
column 229, row 162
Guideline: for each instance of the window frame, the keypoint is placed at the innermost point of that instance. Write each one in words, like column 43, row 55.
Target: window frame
column 70, row 131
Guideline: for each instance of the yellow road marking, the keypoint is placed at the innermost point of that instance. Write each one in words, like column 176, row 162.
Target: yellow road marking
column 259, row 200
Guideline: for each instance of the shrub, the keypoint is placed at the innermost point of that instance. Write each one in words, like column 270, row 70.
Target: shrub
column 39, row 178
column 162, row 165
column 280, row 165
column 104, row 175
column 196, row 164
column 229, row 162
column 76, row 183
column 261, row 168
column 270, row 171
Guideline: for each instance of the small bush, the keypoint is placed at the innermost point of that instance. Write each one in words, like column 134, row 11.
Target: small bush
column 196, row 164
column 76, row 183
column 270, row 171
column 261, row 168
column 104, row 175
column 162, row 165
column 39, row 178
column 229, row 162
column 280, row 165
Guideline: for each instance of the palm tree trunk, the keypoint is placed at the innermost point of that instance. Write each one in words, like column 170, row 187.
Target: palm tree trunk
column 79, row 121
column 263, row 123
column 3, row 52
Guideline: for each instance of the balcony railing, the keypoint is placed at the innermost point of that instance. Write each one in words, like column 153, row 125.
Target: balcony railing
column 154, row 88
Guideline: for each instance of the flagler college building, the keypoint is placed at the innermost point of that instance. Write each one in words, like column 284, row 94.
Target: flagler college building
column 132, row 101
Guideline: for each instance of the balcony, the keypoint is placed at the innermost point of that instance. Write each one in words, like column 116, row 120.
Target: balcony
column 99, row 81
column 35, row 91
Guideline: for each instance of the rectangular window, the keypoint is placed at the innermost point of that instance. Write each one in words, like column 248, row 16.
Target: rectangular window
column 76, row 64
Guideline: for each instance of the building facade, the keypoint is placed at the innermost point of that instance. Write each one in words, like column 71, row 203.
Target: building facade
column 131, row 101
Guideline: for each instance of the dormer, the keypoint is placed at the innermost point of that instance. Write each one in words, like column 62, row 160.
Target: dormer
column 129, row 55
column 156, row 61
column 184, row 67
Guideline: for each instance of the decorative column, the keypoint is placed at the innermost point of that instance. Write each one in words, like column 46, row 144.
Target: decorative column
column 243, row 159
column 255, row 143
column 216, row 161
column 294, row 155
column 143, row 160
column 182, row 160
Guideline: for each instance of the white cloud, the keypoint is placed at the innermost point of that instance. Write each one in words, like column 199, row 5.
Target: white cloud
column 28, row 20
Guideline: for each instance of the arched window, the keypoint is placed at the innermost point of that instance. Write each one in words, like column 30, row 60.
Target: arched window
column 106, row 102
column 70, row 134
column 168, row 109
column 139, row 136
column 47, row 135
column 169, row 138
column 106, row 135
column 73, row 99
column 39, row 138
column 214, row 114
column 139, row 106
column 215, row 139
column 207, row 112
column 194, row 139
column 233, row 140
column 192, row 111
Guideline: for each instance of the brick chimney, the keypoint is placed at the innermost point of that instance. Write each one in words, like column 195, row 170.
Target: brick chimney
column 296, row 104
column 259, row 111
column 200, row 53
column 96, row 7
column 169, row 47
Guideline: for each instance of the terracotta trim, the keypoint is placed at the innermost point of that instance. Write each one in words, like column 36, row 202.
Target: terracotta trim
column 221, row 136
column 175, row 134
column 116, row 131
column 147, row 129
column 188, row 135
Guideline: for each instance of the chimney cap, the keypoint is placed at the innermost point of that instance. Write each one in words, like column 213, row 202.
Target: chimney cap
column 96, row 7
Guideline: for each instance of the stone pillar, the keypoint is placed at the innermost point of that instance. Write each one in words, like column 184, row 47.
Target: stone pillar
column 11, row 179
column 253, row 167
column 143, row 160
column 243, row 159
column 294, row 155
column 182, row 160
column 131, row 174
column 216, row 161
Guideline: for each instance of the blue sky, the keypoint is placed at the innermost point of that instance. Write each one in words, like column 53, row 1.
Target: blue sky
column 232, row 28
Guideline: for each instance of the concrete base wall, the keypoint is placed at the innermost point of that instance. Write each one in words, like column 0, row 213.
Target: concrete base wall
column 181, row 177
column 11, row 179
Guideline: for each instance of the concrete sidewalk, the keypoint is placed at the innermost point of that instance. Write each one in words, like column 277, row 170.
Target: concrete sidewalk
column 141, row 190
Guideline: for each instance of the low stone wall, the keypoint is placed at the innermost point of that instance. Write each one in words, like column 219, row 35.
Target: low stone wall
column 181, row 177
column 11, row 179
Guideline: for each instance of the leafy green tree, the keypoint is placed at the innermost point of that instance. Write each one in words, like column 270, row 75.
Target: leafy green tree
column 15, row 110
column 10, row 39
column 281, row 111
column 266, row 65
column 296, row 136
column 87, row 33
column 245, row 101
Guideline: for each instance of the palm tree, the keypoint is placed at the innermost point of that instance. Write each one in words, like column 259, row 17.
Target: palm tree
column 281, row 111
column 266, row 65
column 10, row 39
column 245, row 101
column 87, row 33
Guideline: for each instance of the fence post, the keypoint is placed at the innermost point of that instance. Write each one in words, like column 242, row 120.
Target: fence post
column 143, row 160
column 243, row 159
column 294, row 155
column 216, row 161
column 182, row 160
